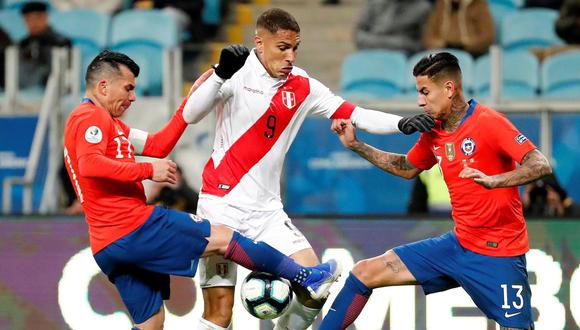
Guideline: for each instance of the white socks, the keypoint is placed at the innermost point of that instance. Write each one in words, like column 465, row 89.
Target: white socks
column 207, row 325
column 298, row 317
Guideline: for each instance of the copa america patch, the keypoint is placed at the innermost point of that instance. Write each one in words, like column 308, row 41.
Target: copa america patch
column 521, row 138
column 93, row 135
column 195, row 218
column 468, row 146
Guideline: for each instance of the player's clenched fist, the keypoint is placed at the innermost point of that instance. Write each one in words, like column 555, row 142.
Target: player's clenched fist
column 232, row 58
column 346, row 132
column 164, row 170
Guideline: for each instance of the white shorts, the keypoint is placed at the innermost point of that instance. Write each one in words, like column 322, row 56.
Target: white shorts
column 272, row 227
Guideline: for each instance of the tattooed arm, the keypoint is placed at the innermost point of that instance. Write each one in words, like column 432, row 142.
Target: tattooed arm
column 393, row 163
column 534, row 166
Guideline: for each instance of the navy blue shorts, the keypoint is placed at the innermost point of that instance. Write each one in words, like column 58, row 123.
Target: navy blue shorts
column 499, row 286
column 139, row 264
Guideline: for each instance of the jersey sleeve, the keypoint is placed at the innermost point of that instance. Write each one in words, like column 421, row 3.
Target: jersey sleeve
column 376, row 122
column 92, row 134
column 99, row 166
column 161, row 143
column 92, row 137
column 507, row 138
column 328, row 104
column 421, row 155
column 206, row 97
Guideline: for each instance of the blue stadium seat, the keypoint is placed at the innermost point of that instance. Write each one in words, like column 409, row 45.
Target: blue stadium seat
column 560, row 76
column 528, row 28
column 144, row 35
column 507, row 3
column 520, row 75
column 211, row 13
column 88, row 30
column 498, row 12
column 375, row 74
column 13, row 24
column 17, row 4
column 465, row 62
column 82, row 26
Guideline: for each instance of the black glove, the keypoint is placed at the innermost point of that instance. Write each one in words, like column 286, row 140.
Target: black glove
column 421, row 123
column 232, row 58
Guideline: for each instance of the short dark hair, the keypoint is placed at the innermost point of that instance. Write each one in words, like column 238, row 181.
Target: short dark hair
column 34, row 6
column 277, row 19
column 108, row 61
column 438, row 65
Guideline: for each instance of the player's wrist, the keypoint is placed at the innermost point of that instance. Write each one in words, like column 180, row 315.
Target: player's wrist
column 148, row 170
column 216, row 78
column 356, row 145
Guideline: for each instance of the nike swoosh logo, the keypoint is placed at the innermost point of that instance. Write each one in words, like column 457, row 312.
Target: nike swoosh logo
column 436, row 147
column 332, row 309
column 508, row 315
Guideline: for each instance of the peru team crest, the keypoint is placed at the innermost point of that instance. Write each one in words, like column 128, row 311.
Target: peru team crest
column 289, row 99
column 222, row 269
column 468, row 146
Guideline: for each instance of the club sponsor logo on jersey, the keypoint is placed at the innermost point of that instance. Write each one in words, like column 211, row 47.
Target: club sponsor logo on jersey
column 289, row 99
column 93, row 135
column 221, row 269
column 195, row 218
column 468, row 146
column 253, row 90
column 450, row 151
column 521, row 138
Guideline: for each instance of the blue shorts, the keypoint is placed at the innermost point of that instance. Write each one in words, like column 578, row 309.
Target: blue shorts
column 499, row 286
column 139, row 264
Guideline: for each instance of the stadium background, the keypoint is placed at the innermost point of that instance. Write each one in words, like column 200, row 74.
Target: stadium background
column 348, row 209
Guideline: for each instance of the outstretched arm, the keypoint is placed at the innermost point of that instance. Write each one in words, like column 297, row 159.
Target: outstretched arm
column 378, row 122
column 393, row 163
column 534, row 166
column 161, row 143
column 202, row 101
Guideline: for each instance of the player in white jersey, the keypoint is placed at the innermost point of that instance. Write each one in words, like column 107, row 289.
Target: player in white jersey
column 259, row 109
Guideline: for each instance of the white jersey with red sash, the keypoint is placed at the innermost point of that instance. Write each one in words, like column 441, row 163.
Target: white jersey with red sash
column 257, row 120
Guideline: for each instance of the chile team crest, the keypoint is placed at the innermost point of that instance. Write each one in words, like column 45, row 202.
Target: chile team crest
column 468, row 146
column 289, row 99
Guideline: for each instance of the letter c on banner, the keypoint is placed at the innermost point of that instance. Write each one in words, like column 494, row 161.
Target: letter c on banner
column 73, row 296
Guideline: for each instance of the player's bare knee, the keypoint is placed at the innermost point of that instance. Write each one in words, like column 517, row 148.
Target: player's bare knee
column 219, row 239
column 362, row 271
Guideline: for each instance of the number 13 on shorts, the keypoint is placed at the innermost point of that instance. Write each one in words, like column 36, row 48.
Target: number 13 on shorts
column 509, row 299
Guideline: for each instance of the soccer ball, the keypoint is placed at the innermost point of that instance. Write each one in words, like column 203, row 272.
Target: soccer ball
column 265, row 296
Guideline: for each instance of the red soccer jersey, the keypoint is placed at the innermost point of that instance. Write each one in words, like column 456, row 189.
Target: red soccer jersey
column 490, row 221
column 101, row 164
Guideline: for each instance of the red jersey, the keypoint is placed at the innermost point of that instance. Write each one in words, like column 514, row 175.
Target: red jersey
column 487, row 221
column 99, row 153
